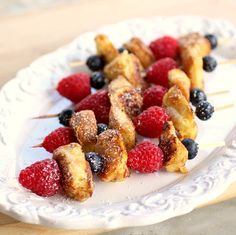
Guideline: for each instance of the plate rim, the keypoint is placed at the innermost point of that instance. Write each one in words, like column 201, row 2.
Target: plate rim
column 179, row 201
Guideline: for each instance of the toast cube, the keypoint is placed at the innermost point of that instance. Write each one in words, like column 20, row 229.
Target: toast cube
column 180, row 79
column 180, row 113
column 174, row 151
column 84, row 125
column 111, row 146
column 105, row 48
column 77, row 178
column 141, row 51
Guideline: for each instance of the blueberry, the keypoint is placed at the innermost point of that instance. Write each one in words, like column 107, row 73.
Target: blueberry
column 212, row 39
column 191, row 146
column 209, row 63
column 204, row 110
column 196, row 96
column 102, row 127
column 122, row 49
column 97, row 80
column 95, row 62
column 96, row 161
column 65, row 116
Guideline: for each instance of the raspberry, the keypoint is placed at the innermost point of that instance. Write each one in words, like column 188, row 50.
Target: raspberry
column 151, row 121
column 157, row 73
column 42, row 178
column 153, row 96
column 75, row 87
column 99, row 103
column 145, row 158
column 57, row 138
column 165, row 47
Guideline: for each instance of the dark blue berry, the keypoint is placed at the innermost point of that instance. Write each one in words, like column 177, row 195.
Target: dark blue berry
column 196, row 96
column 191, row 146
column 209, row 63
column 65, row 116
column 96, row 161
column 95, row 62
column 204, row 110
column 97, row 80
column 102, row 127
column 122, row 49
column 212, row 39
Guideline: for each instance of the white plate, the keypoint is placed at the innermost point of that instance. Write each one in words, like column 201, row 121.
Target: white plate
column 141, row 199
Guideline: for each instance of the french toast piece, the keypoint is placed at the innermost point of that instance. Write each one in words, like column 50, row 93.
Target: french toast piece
column 126, row 103
column 193, row 47
column 84, row 125
column 139, row 49
column 195, row 41
column 179, row 78
column 193, row 67
column 129, row 97
column 128, row 66
column 180, row 113
column 111, row 146
column 105, row 48
column 77, row 178
column 174, row 151
column 120, row 121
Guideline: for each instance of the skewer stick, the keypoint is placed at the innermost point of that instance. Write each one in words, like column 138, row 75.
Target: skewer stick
column 46, row 116
column 37, row 146
column 212, row 145
column 224, row 107
column 218, row 93
column 232, row 61
column 222, row 41
column 76, row 63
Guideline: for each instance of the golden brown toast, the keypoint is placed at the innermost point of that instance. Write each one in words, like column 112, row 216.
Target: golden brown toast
column 139, row 49
column 174, row 151
column 193, row 47
column 84, row 125
column 179, row 78
column 111, row 146
column 126, row 103
column 128, row 66
column 193, row 66
column 129, row 98
column 195, row 41
column 77, row 178
column 180, row 113
column 105, row 48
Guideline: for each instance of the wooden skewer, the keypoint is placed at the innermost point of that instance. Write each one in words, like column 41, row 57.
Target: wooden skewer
column 212, row 145
column 76, row 63
column 47, row 116
column 37, row 146
column 232, row 61
column 218, row 93
column 222, row 41
column 224, row 107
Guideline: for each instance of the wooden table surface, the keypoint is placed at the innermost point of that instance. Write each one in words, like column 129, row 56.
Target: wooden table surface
column 26, row 37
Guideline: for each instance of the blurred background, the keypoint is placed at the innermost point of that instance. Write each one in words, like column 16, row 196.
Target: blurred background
column 31, row 28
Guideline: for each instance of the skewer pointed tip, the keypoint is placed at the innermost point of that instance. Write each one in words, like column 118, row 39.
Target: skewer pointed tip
column 37, row 146
column 76, row 63
column 46, row 116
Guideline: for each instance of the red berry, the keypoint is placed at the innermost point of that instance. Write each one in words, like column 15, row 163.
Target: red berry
column 57, row 138
column 157, row 73
column 151, row 121
column 153, row 96
column 75, row 87
column 145, row 158
column 165, row 47
column 99, row 103
column 42, row 178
